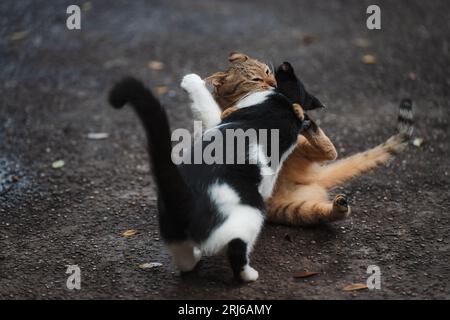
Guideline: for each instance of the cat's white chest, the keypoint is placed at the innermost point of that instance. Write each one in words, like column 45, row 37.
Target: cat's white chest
column 267, row 183
column 269, row 175
column 258, row 156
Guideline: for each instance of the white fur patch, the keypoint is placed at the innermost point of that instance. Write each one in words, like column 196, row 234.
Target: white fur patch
column 254, row 98
column 203, row 107
column 241, row 221
column 249, row 274
column 257, row 155
column 222, row 194
column 268, row 175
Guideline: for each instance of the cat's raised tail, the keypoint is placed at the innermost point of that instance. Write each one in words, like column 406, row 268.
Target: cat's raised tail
column 171, row 185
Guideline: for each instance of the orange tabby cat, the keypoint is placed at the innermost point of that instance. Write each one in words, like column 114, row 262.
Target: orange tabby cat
column 243, row 76
column 301, row 193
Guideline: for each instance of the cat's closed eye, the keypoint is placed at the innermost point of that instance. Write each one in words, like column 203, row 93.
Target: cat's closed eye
column 258, row 79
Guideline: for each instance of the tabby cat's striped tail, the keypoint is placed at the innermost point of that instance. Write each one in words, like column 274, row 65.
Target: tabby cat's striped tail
column 405, row 121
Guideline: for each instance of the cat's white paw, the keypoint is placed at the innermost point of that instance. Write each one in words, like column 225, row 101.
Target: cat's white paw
column 191, row 81
column 249, row 274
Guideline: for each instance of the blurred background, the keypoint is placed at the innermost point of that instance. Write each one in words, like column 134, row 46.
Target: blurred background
column 74, row 175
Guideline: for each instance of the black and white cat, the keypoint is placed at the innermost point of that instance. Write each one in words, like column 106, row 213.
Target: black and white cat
column 211, row 208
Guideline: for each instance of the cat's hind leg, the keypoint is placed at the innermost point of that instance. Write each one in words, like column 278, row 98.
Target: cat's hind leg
column 237, row 253
column 238, row 231
column 237, row 235
column 306, row 205
column 185, row 255
column 343, row 170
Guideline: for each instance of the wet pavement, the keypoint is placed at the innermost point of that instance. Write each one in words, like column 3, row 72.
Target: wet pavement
column 53, row 94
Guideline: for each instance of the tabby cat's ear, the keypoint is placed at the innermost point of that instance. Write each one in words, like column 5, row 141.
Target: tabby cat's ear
column 216, row 79
column 237, row 57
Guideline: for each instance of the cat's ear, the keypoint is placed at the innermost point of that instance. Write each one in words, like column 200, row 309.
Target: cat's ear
column 310, row 102
column 286, row 67
column 237, row 57
column 285, row 72
column 216, row 79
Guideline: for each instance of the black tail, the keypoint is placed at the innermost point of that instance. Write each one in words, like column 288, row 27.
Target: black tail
column 172, row 188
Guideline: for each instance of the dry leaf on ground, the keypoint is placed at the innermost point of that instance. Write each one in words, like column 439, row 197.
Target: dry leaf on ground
column 369, row 59
column 304, row 274
column 58, row 164
column 97, row 135
column 355, row 286
column 129, row 233
column 150, row 265
column 156, row 65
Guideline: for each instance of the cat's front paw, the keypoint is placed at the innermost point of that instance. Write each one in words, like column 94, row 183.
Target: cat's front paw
column 249, row 274
column 191, row 81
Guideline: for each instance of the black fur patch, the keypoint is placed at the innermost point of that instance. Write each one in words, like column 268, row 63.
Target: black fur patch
column 237, row 256
column 291, row 86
